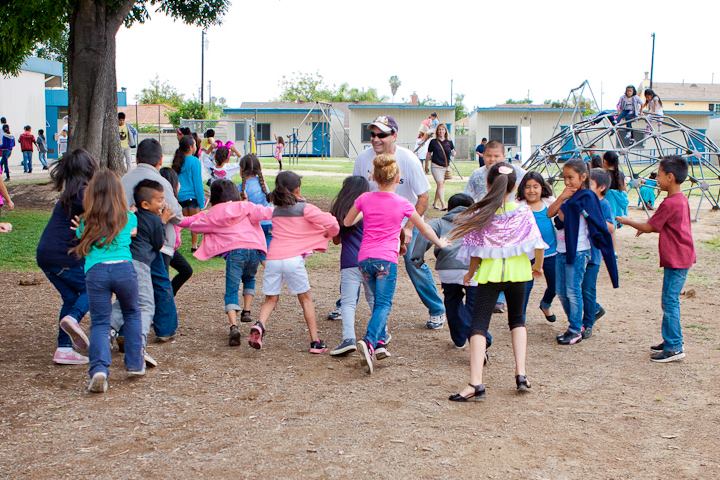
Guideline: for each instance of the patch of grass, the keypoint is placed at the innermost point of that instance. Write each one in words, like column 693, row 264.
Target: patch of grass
column 713, row 243
column 17, row 248
column 695, row 326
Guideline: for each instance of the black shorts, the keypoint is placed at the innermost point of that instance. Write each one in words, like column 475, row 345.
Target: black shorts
column 191, row 203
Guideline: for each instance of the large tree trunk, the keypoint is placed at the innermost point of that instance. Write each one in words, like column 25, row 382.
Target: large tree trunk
column 92, row 82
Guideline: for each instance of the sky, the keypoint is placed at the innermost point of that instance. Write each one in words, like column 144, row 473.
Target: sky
column 491, row 51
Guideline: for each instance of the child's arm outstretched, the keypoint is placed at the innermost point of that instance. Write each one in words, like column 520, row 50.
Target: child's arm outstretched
column 427, row 231
column 422, row 244
column 326, row 221
column 641, row 227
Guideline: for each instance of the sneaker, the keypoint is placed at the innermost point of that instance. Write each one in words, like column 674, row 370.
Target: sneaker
column 77, row 336
column 569, row 338
column 98, row 383
column 586, row 333
column 165, row 339
column 366, row 356
column 257, row 332
column 599, row 314
column 317, row 347
column 69, row 358
column 499, row 308
column 345, row 347
column 522, row 383
column 245, row 316
column 136, row 373
column 388, row 338
column 658, row 348
column 150, row 362
column 436, row 322
column 234, row 337
column 335, row 315
column 381, row 351
column 667, row 356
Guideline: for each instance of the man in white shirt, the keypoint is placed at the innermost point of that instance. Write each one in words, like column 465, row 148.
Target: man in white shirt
column 414, row 187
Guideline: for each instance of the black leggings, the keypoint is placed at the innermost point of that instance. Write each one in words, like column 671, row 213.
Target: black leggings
column 487, row 295
column 184, row 270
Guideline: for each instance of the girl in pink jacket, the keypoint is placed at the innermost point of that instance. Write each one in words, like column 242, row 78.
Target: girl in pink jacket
column 299, row 229
column 231, row 229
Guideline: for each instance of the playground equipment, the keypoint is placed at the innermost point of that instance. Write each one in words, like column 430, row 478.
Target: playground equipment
column 640, row 143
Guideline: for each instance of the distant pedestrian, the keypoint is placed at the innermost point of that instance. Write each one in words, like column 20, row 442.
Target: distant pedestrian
column 41, row 143
column 27, row 140
column 480, row 151
column 8, row 143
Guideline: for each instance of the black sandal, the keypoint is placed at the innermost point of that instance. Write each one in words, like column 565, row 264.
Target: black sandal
column 479, row 394
column 522, row 383
column 549, row 318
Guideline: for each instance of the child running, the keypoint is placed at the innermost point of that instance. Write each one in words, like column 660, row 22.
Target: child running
column 580, row 219
column 537, row 194
column 231, row 229
column 105, row 233
column 383, row 213
column 350, row 276
column 498, row 238
column 178, row 261
column 299, row 229
column 677, row 252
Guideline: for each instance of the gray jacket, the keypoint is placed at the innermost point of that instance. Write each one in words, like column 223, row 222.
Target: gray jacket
column 445, row 258
column 144, row 171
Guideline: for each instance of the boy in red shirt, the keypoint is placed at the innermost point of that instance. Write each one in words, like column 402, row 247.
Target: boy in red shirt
column 27, row 140
column 677, row 252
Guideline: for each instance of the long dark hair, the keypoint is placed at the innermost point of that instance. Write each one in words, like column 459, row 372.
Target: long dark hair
column 580, row 168
column 223, row 190
column 169, row 174
column 480, row 213
column 285, row 184
column 105, row 212
column 221, row 154
column 546, row 190
column 71, row 174
column 352, row 188
column 184, row 149
column 250, row 166
column 617, row 179
column 653, row 95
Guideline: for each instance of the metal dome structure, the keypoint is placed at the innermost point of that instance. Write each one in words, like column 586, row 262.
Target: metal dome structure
column 640, row 143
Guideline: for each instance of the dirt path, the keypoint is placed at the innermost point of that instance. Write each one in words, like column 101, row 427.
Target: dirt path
column 599, row 409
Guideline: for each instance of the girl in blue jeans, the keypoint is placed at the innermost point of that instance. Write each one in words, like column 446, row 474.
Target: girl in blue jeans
column 66, row 272
column 105, row 233
column 383, row 215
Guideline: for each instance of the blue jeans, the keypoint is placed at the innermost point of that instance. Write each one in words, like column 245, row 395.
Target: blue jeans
column 27, row 161
column 673, row 281
column 43, row 159
column 165, row 321
column 549, row 267
column 350, row 281
column 102, row 280
column 4, row 165
column 70, row 284
column 568, row 283
column 589, row 291
column 459, row 314
column 423, row 281
column 380, row 277
column 240, row 265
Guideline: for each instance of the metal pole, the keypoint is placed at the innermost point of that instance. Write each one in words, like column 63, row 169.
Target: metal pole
column 202, row 68
column 451, row 91
column 652, row 60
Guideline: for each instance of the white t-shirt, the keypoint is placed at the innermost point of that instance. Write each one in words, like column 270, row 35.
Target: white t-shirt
column 413, row 181
column 583, row 238
column 422, row 148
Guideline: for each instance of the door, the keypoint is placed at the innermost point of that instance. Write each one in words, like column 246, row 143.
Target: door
column 698, row 145
column 321, row 139
column 568, row 148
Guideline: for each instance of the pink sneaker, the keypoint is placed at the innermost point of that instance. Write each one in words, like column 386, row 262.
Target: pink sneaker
column 257, row 332
column 79, row 340
column 69, row 358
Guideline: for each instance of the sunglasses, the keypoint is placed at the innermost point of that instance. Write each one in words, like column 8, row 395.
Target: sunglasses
column 380, row 135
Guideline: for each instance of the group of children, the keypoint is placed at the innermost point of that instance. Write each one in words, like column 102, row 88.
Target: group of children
column 129, row 234
column 28, row 142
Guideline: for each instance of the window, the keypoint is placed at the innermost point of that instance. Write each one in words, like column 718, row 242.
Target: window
column 240, row 132
column 263, row 132
column 364, row 133
column 714, row 107
column 507, row 135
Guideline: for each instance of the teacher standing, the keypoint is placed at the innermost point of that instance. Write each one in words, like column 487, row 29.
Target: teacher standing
column 437, row 161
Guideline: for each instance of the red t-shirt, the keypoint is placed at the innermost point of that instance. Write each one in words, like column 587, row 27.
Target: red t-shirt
column 26, row 141
column 672, row 221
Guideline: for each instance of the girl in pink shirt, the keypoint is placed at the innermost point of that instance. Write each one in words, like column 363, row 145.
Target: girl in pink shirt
column 298, row 230
column 231, row 229
column 384, row 214
column 279, row 149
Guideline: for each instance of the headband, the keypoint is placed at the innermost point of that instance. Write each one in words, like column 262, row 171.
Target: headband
column 228, row 144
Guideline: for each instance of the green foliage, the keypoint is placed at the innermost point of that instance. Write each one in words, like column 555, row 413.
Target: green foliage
column 17, row 248
column 202, row 13
column 195, row 110
column 309, row 87
column 522, row 101
column 394, row 84
column 460, row 110
column 160, row 93
column 148, row 129
column 585, row 105
column 56, row 48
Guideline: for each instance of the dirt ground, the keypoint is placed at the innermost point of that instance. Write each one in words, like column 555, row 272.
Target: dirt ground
column 599, row 409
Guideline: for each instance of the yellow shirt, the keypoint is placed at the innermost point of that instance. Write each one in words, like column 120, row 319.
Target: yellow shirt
column 124, row 136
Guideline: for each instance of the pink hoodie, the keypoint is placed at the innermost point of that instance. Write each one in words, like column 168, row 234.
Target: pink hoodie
column 229, row 226
column 300, row 229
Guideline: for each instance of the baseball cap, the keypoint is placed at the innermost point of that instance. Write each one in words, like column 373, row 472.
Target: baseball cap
column 385, row 123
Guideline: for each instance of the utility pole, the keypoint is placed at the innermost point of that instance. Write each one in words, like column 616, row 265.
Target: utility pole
column 652, row 60
column 202, row 69
column 210, row 92
column 451, row 91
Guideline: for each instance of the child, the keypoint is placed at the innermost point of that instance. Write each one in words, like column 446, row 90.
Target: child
column 62, row 141
column 499, row 236
column 383, row 214
column 647, row 191
column 6, row 146
column 178, row 261
column 191, row 194
column 41, row 143
column 208, row 141
column 592, row 310
column 27, row 140
column 350, row 275
column 452, row 271
column 537, row 194
column 653, row 104
column 580, row 219
column 231, row 229
column 151, row 217
column 105, row 233
column 279, row 149
column 219, row 168
column 617, row 193
column 299, row 229
column 628, row 107
column 254, row 189
column 66, row 272
column 677, row 252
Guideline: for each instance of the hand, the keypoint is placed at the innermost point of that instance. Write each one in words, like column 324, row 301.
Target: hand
column 537, row 272
column 133, row 208
column 74, row 222
column 5, row 227
column 467, row 278
column 444, row 243
column 403, row 250
column 166, row 214
column 638, row 233
column 427, row 170
column 408, row 235
column 10, row 205
column 568, row 192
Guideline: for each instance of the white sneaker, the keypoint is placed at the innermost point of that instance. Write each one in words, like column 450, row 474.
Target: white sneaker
column 98, row 383
column 69, row 358
column 150, row 362
column 436, row 322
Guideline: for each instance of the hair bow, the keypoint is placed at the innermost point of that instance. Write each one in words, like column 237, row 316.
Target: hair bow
column 228, row 144
column 505, row 170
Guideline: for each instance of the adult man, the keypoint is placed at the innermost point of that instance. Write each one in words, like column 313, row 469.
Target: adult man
column 414, row 187
column 480, row 151
column 128, row 139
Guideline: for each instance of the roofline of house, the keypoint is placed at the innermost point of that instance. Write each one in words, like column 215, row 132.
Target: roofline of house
column 521, row 109
column 273, row 110
column 400, row 106
column 42, row 65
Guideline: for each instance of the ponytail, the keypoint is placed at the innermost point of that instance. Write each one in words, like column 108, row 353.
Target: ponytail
column 285, row 184
column 184, row 149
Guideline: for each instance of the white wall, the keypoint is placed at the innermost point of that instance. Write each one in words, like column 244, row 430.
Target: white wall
column 22, row 102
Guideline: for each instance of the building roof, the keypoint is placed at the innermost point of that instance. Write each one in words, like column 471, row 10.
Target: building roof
column 692, row 92
column 399, row 106
column 279, row 108
column 41, row 65
column 521, row 107
column 147, row 114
